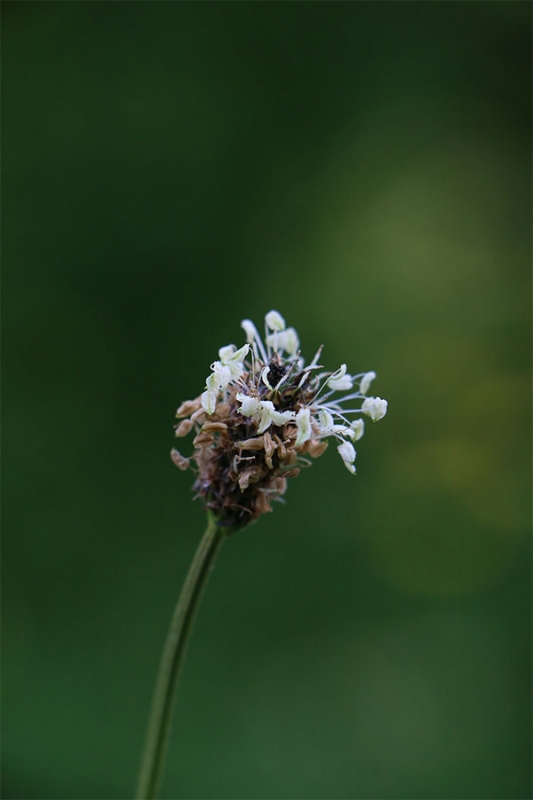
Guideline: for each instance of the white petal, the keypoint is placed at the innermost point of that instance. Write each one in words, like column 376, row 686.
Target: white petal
column 358, row 427
column 347, row 453
column 366, row 380
column 303, row 423
column 281, row 417
column 209, row 402
column 266, row 421
column 275, row 321
column 375, row 407
column 223, row 374
column 269, row 415
column 326, row 420
column 226, row 353
column 249, row 405
column 212, row 383
column 241, row 353
column 236, row 368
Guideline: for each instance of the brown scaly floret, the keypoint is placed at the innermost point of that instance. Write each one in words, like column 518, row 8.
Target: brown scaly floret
column 240, row 473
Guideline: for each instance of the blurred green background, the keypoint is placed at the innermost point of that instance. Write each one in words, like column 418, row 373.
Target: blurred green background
column 364, row 168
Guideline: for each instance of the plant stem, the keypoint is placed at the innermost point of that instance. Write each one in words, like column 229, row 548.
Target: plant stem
column 154, row 753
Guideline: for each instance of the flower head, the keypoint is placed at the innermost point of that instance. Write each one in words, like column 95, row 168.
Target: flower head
column 262, row 413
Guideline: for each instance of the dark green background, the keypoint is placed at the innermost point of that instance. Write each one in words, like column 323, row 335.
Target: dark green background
column 364, row 168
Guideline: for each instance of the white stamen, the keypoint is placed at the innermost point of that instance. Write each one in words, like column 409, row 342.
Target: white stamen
column 284, row 340
column 366, row 380
column 347, row 453
column 253, row 337
column 339, row 381
column 275, row 321
column 375, row 407
column 264, row 378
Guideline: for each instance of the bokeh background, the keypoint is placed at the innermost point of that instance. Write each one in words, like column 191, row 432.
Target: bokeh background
column 364, row 168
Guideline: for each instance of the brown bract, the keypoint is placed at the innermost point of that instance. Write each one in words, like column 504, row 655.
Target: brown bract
column 240, row 473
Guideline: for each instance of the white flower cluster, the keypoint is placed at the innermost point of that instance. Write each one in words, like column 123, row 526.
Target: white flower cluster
column 317, row 413
column 228, row 370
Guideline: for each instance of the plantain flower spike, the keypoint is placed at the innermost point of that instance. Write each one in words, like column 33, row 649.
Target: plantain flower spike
column 262, row 413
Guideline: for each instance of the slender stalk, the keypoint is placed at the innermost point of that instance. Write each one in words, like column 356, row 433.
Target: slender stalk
column 154, row 753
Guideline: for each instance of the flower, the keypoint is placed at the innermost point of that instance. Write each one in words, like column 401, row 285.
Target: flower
column 250, row 406
column 229, row 368
column 262, row 411
column 262, row 414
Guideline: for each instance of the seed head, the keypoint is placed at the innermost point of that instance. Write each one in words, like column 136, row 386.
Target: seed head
column 262, row 413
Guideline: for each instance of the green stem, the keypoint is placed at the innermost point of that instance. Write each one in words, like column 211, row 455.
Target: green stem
column 154, row 753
